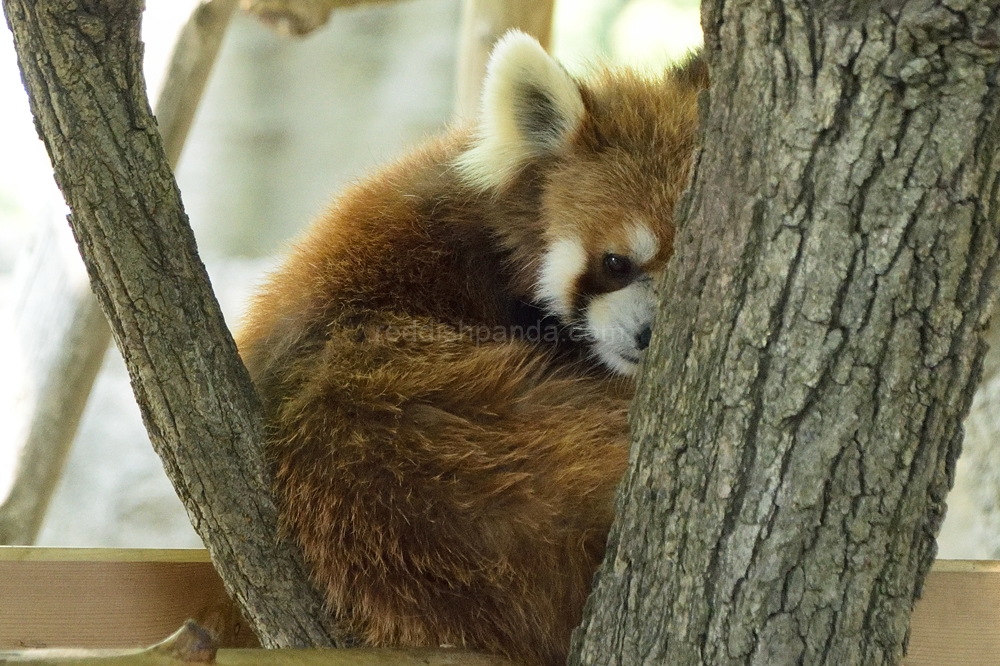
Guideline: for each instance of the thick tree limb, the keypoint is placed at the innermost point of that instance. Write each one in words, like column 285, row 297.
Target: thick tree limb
column 81, row 63
column 65, row 323
column 798, row 422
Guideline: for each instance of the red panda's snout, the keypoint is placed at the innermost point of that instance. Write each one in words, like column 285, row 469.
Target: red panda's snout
column 619, row 325
column 606, row 295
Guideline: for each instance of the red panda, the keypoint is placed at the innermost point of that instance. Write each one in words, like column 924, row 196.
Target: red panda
column 446, row 358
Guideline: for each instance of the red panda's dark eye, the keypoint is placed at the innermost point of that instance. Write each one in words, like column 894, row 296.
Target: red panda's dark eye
column 617, row 264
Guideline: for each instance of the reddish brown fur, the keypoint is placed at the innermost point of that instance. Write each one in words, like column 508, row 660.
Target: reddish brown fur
column 444, row 489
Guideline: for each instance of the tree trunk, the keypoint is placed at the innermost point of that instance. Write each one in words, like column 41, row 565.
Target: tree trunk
column 81, row 64
column 65, row 323
column 797, row 424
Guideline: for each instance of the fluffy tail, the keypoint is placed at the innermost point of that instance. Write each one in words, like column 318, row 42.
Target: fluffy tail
column 447, row 492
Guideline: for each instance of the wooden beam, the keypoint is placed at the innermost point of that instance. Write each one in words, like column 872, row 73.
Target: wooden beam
column 483, row 23
column 316, row 657
column 111, row 598
column 130, row 598
column 194, row 644
column 957, row 620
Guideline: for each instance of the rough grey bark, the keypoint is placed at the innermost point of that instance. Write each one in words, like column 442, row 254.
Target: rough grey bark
column 69, row 321
column 797, row 425
column 81, row 64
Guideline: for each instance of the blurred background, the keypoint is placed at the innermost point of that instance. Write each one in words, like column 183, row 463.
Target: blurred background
column 284, row 123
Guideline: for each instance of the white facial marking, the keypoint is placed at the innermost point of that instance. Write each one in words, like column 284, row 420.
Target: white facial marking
column 563, row 264
column 643, row 242
column 615, row 321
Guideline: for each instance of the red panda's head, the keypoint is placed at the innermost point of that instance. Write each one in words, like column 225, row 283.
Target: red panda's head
column 613, row 154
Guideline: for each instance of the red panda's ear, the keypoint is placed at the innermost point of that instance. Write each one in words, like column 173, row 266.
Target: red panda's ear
column 530, row 108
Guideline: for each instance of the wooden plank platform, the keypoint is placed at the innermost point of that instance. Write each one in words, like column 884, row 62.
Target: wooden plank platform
column 131, row 598
column 111, row 598
column 957, row 621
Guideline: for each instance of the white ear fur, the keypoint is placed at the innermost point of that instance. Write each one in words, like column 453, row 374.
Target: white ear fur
column 530, row 106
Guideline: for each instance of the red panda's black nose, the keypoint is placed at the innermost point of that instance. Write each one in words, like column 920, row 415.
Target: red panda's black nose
column 642, row 339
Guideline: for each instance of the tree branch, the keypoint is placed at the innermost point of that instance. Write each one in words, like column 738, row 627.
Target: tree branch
column 81, row 64
column 68, row 319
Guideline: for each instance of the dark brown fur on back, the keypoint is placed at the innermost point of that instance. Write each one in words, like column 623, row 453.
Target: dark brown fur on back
column 448, row 474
